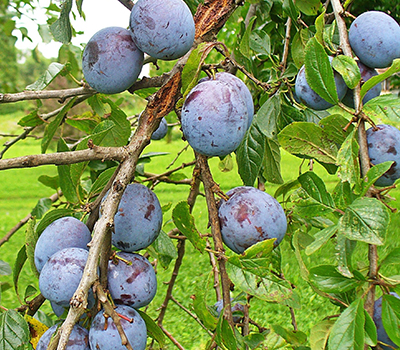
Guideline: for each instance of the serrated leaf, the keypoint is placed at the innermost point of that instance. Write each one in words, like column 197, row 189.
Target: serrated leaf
column 52, row 71
column 319, row 73
column 5, row 268
column 165, row 249
column 296, row 338
column 268, row 115
column 17, row 268
column 344, row 250
column 348, row 331
column 260, row 43
column 308, row 140
column 299, row 43
column 347, row 160
column 391, row 317
column 348, row 69
column 384, row 106
column 392, row 258
column 225, row 336
column 360, row 223
column 308, row 7
column 370, row 330
column 315, row 188
column 244, row 45
column 153, row 330
column 14, row 331
column 290, row 9
column 190, row 72
column 320, row 27
column 319, row 334
column 184, row 221
column 334, row 125
column 31, row 238
column 42, row 206
column 272, row 162
column 343, row 195
column 320, row 238
column 327, row 279
column 373, row 174
column 61, row 28
column 249, row 155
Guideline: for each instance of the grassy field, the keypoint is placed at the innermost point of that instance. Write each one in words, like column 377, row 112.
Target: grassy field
column 20, row 190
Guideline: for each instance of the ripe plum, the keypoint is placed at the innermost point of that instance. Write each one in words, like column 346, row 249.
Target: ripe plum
column 78, row 340
column 161, row 131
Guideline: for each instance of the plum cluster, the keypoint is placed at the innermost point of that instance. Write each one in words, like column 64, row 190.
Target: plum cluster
column 250, row 216
column 216, row 115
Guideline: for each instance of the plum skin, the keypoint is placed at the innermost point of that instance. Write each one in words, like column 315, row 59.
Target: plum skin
column 138, row 220
column 309, row 97
column 366, row 74
column 383, row 146
column 382, row 335
column 108, row 338
column 214, row 118
column 134, row 285
column 250, row 216
column 163, row 29
column 78, row 340
column 161, row 131
column 62, row 233
column 237, row 307
column 61, row 275
column 374, row 38
column 111, row 62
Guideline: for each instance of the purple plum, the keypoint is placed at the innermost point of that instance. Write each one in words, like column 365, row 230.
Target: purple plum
column 78, row 340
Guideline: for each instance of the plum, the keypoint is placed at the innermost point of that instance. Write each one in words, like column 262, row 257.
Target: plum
column 111, row 62
column 78, row 340
column 61, row 275
column 366, row 74
column 214, row 118
column 138, row 220
column 309, row 97
column 134, row 285
column 384, row 145
column 250, row 216
column 62, row 233
column 105, row 336
column 161, row 131
column 374, row 37
column 382, row 335
column 243, row 90
column 237, row 309
column 163, row 29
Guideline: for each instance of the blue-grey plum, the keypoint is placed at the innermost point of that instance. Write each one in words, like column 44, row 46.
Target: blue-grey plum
column 105, row 336
column 163, row 29
column 138, row 220
column 237, row 310
column 214, row 118
column 250, row 216
column 309, row 97
column 382, row 335
column 78, row 340
column 366, row 74
column 111, row 62
column 57, row 309
column 383, row 146
column 161, row 131
column 374, row 37
column 62, row 233
column 134, row 285
column 242, row 89
column 61, row 275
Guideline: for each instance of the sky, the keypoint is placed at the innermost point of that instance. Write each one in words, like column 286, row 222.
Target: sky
column 99, row 14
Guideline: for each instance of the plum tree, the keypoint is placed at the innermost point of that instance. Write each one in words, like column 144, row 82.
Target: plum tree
column 78, row 340
column 214, row 118
column 111, row 62
column 161, row 131
column 383, row 146
column 309, row 97
column 62, row 233
column 61, row 275
column 103, row 333
column 162, row 34
column 242, row 89
column 138, row 220
column 131, row 280
column 366, row 74
column 374, row 38
column 250, row 216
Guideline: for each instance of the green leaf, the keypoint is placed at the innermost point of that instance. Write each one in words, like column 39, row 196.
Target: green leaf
column 290, row 9
column 244, row 46
column 53, row 126
column 67, row 185
column 319, row 73
column 165, row 249
column 348, row 69
column 320, row 26
column 49, row 181
column 315, row 188
column 101, row 181
column 360, row 223
column 391, row 317
column 296, row 338
column 320, row 238
column 52, row 71
column 309, row 7
column 31, row 238
column 384, row 106
column 299, row 43
column 320, row 333
column 42, row 206
column 268, row 115
column 286, row 188
column 153, row 330
column 191, row 71
column 334, row 125
column 308, row 140
column 17, row 268
column 343, row 195
column 348, row 331
column 344, row 250
column 32, row 119
column 249, row 155
column 5, row 268
column 61, row 28
column 200, row 305
column 373, row 174
column 327, row 279
column 50, row 216
column 260, row 44
column 370, row 330
column 272, row 162
column 14, row 331
column 392, row 258
column 347, row 159
column 370, row 83
column 184, row 221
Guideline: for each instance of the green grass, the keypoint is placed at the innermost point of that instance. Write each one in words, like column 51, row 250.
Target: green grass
column 20, row 190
